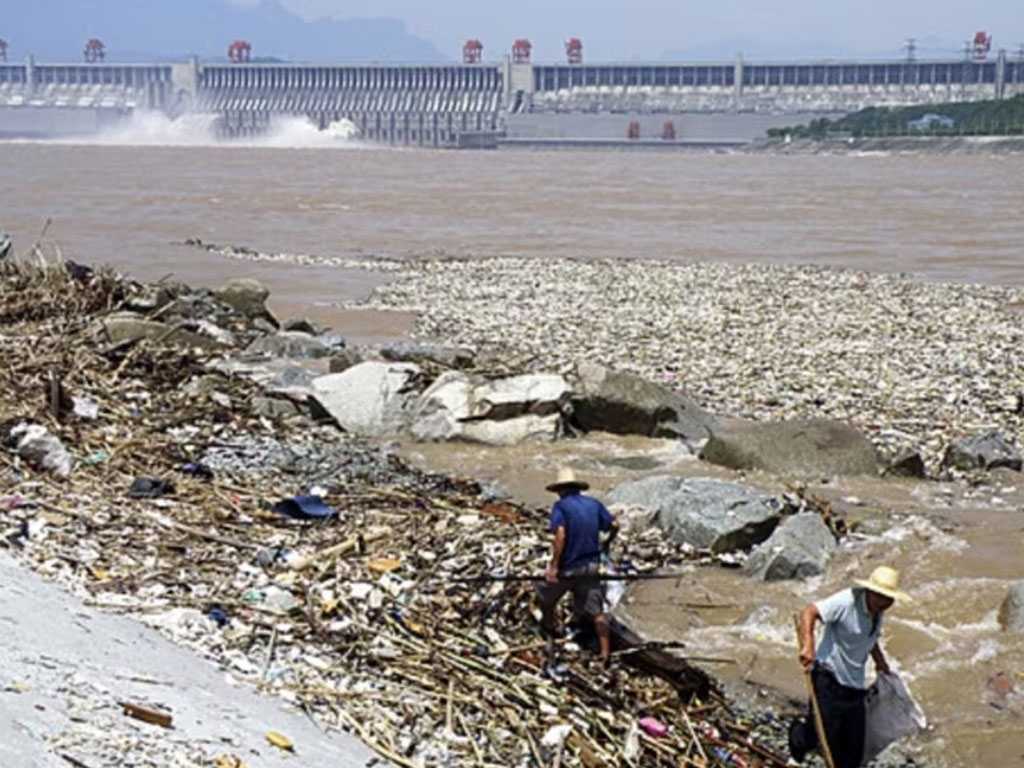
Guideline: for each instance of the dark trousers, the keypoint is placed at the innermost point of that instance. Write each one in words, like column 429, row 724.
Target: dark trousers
column 842, row 712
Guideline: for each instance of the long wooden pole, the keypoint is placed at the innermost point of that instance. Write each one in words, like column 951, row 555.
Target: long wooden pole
column 488, row 578
column 819, row 724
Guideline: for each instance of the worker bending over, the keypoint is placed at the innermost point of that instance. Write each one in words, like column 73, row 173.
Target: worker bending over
column 853, row 627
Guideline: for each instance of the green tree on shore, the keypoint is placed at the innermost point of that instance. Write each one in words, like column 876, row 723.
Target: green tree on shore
column 977, row 118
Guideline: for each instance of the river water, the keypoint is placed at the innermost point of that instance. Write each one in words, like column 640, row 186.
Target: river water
column 131, row 201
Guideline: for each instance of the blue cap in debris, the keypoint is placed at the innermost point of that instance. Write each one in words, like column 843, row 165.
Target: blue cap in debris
column 304, row 507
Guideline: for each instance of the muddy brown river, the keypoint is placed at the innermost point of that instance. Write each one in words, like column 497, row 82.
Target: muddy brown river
column 941, row 217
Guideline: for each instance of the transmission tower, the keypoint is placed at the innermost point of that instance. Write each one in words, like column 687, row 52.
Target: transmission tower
column 910, row 46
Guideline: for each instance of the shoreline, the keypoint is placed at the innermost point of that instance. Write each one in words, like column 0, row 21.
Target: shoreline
column 923, row 145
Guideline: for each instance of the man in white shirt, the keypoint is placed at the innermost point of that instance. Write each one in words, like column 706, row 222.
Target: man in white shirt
column 852, row 621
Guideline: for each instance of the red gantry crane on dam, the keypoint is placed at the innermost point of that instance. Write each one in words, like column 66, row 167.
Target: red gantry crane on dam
column 95, row 51
column 472, row 52
column 980, row 46
column 239, row 52
column 574, row 50
column 521, row 51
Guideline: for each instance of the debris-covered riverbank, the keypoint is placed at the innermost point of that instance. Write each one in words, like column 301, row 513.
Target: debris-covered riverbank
column 152, row 486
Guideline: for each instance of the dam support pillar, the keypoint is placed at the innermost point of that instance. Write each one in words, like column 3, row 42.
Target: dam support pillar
column 1001, row 74
column 184, row 87
column 737, row 79
column 30, row 75
column 518, row 85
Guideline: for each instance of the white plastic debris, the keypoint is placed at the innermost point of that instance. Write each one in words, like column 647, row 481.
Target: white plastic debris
column 556, row 735
column 42, row 450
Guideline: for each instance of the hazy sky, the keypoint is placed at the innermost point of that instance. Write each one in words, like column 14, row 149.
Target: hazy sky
column 646, row 29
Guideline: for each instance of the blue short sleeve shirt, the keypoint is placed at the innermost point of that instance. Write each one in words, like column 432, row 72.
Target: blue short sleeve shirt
column 583, row 518
column 848, row 638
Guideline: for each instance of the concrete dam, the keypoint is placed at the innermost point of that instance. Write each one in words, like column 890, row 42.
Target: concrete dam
column 481, row 104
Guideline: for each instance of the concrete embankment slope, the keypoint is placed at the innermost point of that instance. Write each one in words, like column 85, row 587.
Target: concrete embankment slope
column 64, row 668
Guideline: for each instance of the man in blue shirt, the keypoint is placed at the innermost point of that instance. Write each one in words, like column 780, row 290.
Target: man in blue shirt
column 577, row 522
column 852, row 620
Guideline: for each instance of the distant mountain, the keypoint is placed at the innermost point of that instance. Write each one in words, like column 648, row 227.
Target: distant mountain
column 143, row 30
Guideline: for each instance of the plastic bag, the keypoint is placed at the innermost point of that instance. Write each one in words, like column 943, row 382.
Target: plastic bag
column 891, row 713
column 613, row 591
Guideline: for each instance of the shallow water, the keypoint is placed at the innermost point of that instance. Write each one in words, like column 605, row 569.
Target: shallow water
column 944, row 217
column 948, row 217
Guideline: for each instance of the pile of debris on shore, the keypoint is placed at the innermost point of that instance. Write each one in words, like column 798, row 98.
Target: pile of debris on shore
column 306, row 561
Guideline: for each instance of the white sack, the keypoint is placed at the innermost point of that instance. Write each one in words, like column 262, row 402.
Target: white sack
column 891, row 714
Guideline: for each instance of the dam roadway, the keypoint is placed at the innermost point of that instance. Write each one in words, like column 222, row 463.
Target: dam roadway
column 467, row 105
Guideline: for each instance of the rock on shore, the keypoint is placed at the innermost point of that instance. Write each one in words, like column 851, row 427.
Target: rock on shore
column 805, row 447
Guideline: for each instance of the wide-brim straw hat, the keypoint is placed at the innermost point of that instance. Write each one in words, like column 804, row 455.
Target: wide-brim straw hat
column 885, row 581
column 566, row 478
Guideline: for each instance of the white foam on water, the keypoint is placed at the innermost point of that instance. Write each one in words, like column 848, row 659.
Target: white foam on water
column 988, row 624
column 947, row 588
column 196, row 129
column 300, row 133
column 988, row 649
column 921, row 528
column 155, row 129
column 764, row 626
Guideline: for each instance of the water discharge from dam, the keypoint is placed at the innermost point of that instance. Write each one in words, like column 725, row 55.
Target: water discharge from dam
column 156, row 129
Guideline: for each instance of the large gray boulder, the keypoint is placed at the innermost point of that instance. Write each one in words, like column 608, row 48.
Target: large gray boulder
column 443, row 408
column 907, row 464
column 1011, row 612
column 703, row 512
column 124, row 327
column 540, row 394
column 293, row 344
column 302, row 325
column 500, row 412
column 627, row 404
column 519, row 429
column 800, row 547
column 987, row 450
column 343, row 359
column 248, row 297
column 370, row 399
column 422, row 352
column 818, row 447
column 287, row 377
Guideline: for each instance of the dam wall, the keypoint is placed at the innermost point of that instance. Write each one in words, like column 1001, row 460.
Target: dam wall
column 428, row 105
column 823, row 87
column 88, row 86
column 452, row 105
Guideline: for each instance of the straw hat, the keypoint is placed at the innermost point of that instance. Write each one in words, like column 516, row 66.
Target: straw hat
column 566, row 477
column 885, row 581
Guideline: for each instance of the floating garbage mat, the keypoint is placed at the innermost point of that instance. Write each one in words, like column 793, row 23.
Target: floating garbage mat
column 355, row 617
